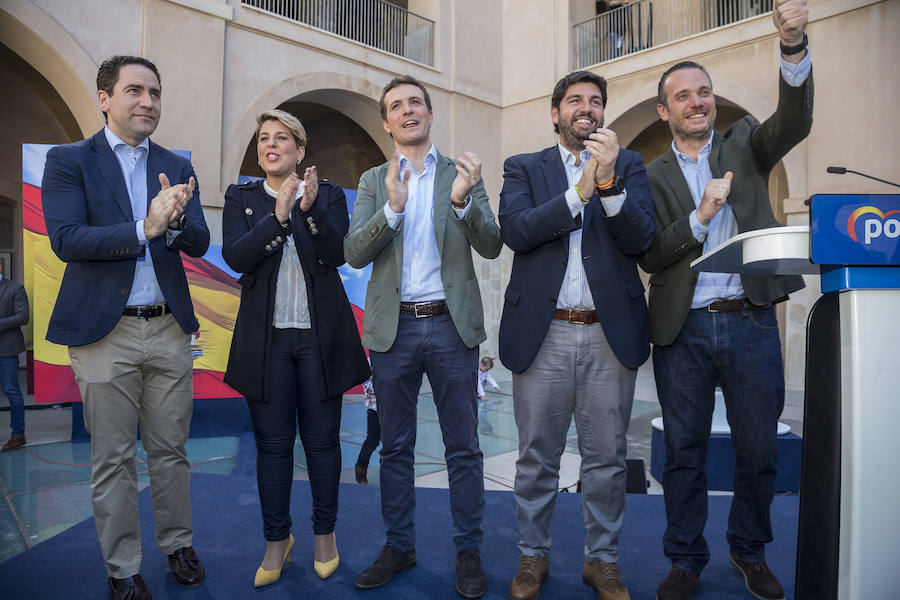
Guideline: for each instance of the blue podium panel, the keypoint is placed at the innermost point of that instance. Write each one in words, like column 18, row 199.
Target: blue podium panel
column 855, row 229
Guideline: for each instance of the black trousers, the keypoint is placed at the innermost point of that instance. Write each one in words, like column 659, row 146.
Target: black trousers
column 297, row 400
column 373, row 437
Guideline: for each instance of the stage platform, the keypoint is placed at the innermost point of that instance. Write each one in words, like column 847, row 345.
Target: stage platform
column 228, row 538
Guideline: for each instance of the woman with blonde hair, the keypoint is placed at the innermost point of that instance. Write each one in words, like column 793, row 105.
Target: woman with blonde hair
column 296, row 347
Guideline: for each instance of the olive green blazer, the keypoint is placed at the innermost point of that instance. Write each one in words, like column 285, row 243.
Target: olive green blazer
column 371, row 240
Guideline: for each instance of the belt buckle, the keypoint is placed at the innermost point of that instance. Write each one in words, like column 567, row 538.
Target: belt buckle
column 152, row 310
column 572, row 318
column 709, row 308
column 416, row 310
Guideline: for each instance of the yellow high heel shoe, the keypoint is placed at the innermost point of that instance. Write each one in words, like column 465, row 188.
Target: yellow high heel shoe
column 325, row 569
column 264, row 576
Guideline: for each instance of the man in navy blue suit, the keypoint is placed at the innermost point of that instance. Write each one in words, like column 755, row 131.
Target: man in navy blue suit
column 575, row 326
column 119, row 211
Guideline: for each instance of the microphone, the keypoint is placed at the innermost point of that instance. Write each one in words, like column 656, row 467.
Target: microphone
column 842, row 170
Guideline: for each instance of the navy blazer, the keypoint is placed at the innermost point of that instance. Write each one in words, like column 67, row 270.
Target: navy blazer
column 13, row 314
column 91, row 228
column 535, row 222
column 248, row 230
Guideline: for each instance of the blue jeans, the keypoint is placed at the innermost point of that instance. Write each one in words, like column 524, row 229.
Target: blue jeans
column 297, row 400
column 741, row 352
column 9, row 381
column 429, row 345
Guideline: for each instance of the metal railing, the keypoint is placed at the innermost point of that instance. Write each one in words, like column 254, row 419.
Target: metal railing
column 643, row 24
column 376, row 23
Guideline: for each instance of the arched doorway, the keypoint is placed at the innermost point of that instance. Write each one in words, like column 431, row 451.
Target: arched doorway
column 31, row 112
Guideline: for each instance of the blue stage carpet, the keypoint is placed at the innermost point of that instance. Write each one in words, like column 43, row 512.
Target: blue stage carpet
column 229, row 540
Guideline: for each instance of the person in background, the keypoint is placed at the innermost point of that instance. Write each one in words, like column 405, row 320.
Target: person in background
column 484, row 376
column 373, row 433
column 13, row 314
column 295, row 349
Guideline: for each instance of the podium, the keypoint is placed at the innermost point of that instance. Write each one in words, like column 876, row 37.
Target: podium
column 849, row 523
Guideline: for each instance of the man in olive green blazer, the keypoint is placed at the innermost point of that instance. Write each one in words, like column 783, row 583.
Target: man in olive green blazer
column 712, row 329
column 417, row 219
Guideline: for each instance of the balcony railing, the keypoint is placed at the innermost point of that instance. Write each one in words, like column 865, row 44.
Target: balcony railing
column 375, row 23
column 643, row 24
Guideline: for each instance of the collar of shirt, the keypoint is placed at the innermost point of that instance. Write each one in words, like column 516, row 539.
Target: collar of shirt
column 118, row 144
column 274, row 193
column 568, row 158
column 430, row 161
column 702, row 156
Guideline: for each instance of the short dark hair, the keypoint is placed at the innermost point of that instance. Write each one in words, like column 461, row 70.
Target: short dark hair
column 487, row 361
column 563, row 85
column 398, row 81
column 108, row 73
column 687, row 64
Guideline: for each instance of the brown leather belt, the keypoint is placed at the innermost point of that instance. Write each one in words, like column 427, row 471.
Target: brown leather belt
column 147, row 312
column 732, row 305
column 423, row 309
column 577, row 317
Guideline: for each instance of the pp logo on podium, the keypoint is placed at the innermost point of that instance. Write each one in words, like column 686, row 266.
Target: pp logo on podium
column 873, row 228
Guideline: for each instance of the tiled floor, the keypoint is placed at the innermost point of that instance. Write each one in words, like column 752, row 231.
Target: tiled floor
column 44, row 488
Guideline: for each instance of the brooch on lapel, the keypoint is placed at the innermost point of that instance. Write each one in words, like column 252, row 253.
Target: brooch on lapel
column 249, row 211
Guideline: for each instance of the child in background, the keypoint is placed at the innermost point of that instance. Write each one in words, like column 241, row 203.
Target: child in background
column 373, row 434
column 484, row 375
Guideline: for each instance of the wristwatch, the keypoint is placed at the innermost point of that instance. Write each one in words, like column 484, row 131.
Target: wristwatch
column 617, row 187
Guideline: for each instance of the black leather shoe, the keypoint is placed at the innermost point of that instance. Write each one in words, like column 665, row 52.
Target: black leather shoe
column 761, row 583
column 678, row 585
column 130, row 588
column 389, row 562
column 362, row 473
column 186, row 567
column 470, row 581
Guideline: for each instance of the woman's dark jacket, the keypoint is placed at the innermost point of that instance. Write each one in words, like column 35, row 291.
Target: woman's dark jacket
column 249, row 231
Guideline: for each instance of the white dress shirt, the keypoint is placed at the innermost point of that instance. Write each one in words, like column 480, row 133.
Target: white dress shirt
column 291, row 301
column 420, row 278
column 133, row 163
column 575, row 291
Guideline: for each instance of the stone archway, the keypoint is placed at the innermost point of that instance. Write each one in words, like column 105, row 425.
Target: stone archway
column 353, row 98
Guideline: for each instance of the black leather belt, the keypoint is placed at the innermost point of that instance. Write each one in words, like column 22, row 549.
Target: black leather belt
column 732, row 305
column 147, row 312
column 576, row 317
column 423, row 309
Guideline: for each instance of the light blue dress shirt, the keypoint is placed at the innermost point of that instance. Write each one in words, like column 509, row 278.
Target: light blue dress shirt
column 723, row 226
column 575, row 292
column 133, row 162
column 420, row 278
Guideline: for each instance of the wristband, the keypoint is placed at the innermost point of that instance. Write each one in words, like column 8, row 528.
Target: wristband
column 789, row 50
column 607, row 183
column 580, row 195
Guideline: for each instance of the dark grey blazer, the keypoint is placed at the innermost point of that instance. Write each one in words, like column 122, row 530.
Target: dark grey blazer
column 750, row 150
column 13, row 314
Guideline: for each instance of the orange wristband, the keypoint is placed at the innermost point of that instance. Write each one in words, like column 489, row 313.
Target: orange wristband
column 607, row 184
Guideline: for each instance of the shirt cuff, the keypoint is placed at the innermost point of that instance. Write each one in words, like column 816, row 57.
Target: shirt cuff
column 394, row 220
column 574, row 201
column 697, row 228
column 795, row 74
column 613, row 204
column 139, row 230
column 461, row 212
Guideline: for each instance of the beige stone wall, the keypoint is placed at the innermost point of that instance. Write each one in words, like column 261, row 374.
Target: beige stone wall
column 495, row 66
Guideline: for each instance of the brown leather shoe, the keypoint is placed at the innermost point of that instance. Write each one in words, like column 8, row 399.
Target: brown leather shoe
column 14, row 442
column 678, row 585
column 130, row 588
column 186, row 567
column 533, row 571
column 760, row 581
column 603, row 578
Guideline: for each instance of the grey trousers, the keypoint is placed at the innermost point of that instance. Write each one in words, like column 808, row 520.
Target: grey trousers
column 574, row 372
column 139, row 373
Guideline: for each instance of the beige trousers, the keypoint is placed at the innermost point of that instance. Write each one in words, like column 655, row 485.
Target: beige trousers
column 139, row 374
